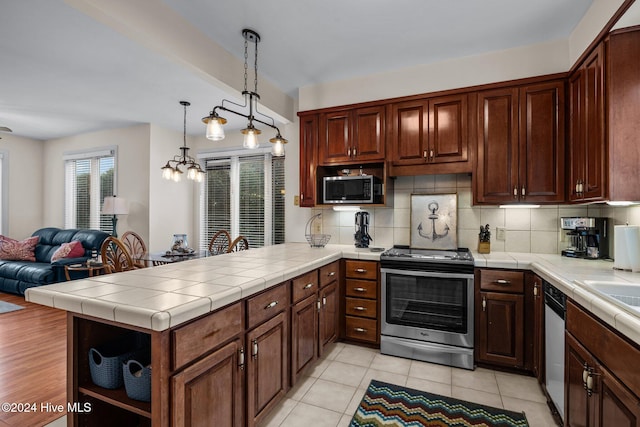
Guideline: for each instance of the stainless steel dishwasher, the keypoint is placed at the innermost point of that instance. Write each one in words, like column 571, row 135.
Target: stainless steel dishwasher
column 554, row 316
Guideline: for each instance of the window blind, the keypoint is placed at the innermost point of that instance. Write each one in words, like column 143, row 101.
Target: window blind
column 87, row 182
column 243, row 194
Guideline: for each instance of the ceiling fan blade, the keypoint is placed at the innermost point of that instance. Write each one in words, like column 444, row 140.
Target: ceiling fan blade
column 5, row 129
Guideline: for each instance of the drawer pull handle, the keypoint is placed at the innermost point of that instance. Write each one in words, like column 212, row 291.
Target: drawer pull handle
column 324, row 301
column 255, row 349
column 331, row 274
column 241, row 359
column 361, row 330
column 503, row 282
column 360, row 270
column 271, row 305
column 359, row 289
column 360, row 308
column 308, row 286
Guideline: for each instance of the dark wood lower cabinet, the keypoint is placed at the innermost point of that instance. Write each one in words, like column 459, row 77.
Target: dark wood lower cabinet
column 501, row 336
column 197, row 390
column 304, row 333
column 328, row 316
column 267, row 366
column 601, row 376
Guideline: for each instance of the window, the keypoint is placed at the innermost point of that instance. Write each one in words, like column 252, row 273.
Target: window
column 243, row 194
column 89, row 178
column 4, row 180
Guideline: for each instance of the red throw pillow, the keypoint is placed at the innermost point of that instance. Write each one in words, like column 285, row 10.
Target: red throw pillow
column 14, row 250
column 72, row 249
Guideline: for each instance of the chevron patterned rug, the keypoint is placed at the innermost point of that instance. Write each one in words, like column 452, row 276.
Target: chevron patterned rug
column 390, row 405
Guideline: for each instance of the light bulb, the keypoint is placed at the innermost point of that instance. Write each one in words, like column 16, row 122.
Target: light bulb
column 192, row 172
column 278, row 149
column 167, row 172
column 215, row 131
column 177, row 175
column 250, row 138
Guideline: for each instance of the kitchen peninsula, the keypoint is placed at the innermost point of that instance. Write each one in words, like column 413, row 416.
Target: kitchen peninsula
column 205, row 315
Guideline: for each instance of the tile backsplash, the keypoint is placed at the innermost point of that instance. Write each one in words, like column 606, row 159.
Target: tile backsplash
column 526, row 230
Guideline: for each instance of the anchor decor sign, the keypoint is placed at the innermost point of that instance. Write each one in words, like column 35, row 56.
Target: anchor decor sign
column 434, row 221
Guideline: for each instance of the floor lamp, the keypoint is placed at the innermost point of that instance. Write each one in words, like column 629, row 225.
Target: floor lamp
column 115, row 206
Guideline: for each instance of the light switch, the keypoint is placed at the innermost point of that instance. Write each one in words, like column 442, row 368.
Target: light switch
column 500, row 233
column 296, row 200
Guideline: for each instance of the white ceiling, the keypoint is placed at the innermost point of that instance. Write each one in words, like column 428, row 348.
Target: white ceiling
column 63, row 73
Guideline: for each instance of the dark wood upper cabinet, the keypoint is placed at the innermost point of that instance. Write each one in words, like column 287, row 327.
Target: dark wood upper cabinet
column 308, row 159
column 521, row 144
column 587, row 145
column 430, row 135
column 604, row 126
column 352, row 135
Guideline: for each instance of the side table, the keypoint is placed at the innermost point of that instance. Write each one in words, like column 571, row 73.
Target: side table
column 92, row 269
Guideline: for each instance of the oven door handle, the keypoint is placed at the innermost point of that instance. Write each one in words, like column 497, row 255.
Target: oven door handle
column 425, row 273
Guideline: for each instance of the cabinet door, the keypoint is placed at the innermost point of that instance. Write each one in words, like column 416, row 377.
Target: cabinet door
column 304, row 335
column 409, row 129
column 197, row 390
column 328, row 318
column 618, row 406
column 267, row 367
column 538, row 329
column 448, row 129
column 368, row 133
column 579, row 410
column 497, row 167
column 308, row 159
column 576, row 143
column 501, row 338
column 541, row 152
column 335, row 137
column 594, row 131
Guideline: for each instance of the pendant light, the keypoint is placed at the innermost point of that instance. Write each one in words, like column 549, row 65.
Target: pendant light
column 215, row 123
column 172, row 171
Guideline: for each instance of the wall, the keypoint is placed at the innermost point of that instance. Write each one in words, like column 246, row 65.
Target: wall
column 171, row 204
column 527, row 230
column 132, row 170
column 24, row 162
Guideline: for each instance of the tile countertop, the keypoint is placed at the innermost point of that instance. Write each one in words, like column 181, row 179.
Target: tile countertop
column 162, row 297
column 165, row 296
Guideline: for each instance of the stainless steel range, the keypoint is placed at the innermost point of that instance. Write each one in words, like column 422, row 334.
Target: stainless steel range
column 427, row 305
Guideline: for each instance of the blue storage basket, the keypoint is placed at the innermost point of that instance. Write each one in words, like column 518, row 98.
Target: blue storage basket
column 105, row 363
column 137, row 380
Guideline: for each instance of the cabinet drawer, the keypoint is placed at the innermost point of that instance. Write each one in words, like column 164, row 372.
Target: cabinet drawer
column 362, row 288
column 201, row 336
column 357, row 269
column 361, row 329
column 305, row 285
column 502, row 281
column 362, row 307
column 266, row 305
column 329, row 273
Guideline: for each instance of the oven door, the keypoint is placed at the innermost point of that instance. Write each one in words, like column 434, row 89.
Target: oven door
column 428, row 306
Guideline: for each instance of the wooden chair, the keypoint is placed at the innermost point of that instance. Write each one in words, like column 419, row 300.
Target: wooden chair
column 239, row 244
column 219, row 243
column 115, row 255
column 136, row 247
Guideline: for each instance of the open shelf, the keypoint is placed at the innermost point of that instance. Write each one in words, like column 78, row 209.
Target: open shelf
column 117, row 397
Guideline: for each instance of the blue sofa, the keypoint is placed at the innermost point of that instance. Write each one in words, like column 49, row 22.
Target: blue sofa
column 17, row 276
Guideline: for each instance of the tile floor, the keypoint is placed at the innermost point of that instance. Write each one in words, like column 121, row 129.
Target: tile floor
column 331, row 392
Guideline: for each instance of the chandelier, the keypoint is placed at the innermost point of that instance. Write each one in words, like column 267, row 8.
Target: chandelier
column 215, row 130
column 172, row 171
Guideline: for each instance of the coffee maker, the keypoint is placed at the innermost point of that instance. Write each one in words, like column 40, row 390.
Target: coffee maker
column 362, row 237
column 589, row 237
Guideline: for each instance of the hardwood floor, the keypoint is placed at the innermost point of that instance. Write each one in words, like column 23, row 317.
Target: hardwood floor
column 33, row 367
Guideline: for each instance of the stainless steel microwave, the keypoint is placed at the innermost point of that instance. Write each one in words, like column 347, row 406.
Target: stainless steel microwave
column 352, row 189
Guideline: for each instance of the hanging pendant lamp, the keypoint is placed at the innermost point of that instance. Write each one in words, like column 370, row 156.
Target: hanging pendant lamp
column 172, row 171
column 215, row 123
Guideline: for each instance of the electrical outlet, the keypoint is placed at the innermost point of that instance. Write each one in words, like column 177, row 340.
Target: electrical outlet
column 500, row 233
column 317, row 227
column 296, row 200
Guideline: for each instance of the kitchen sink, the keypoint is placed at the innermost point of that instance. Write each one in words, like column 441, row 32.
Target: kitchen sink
column 624, row 292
